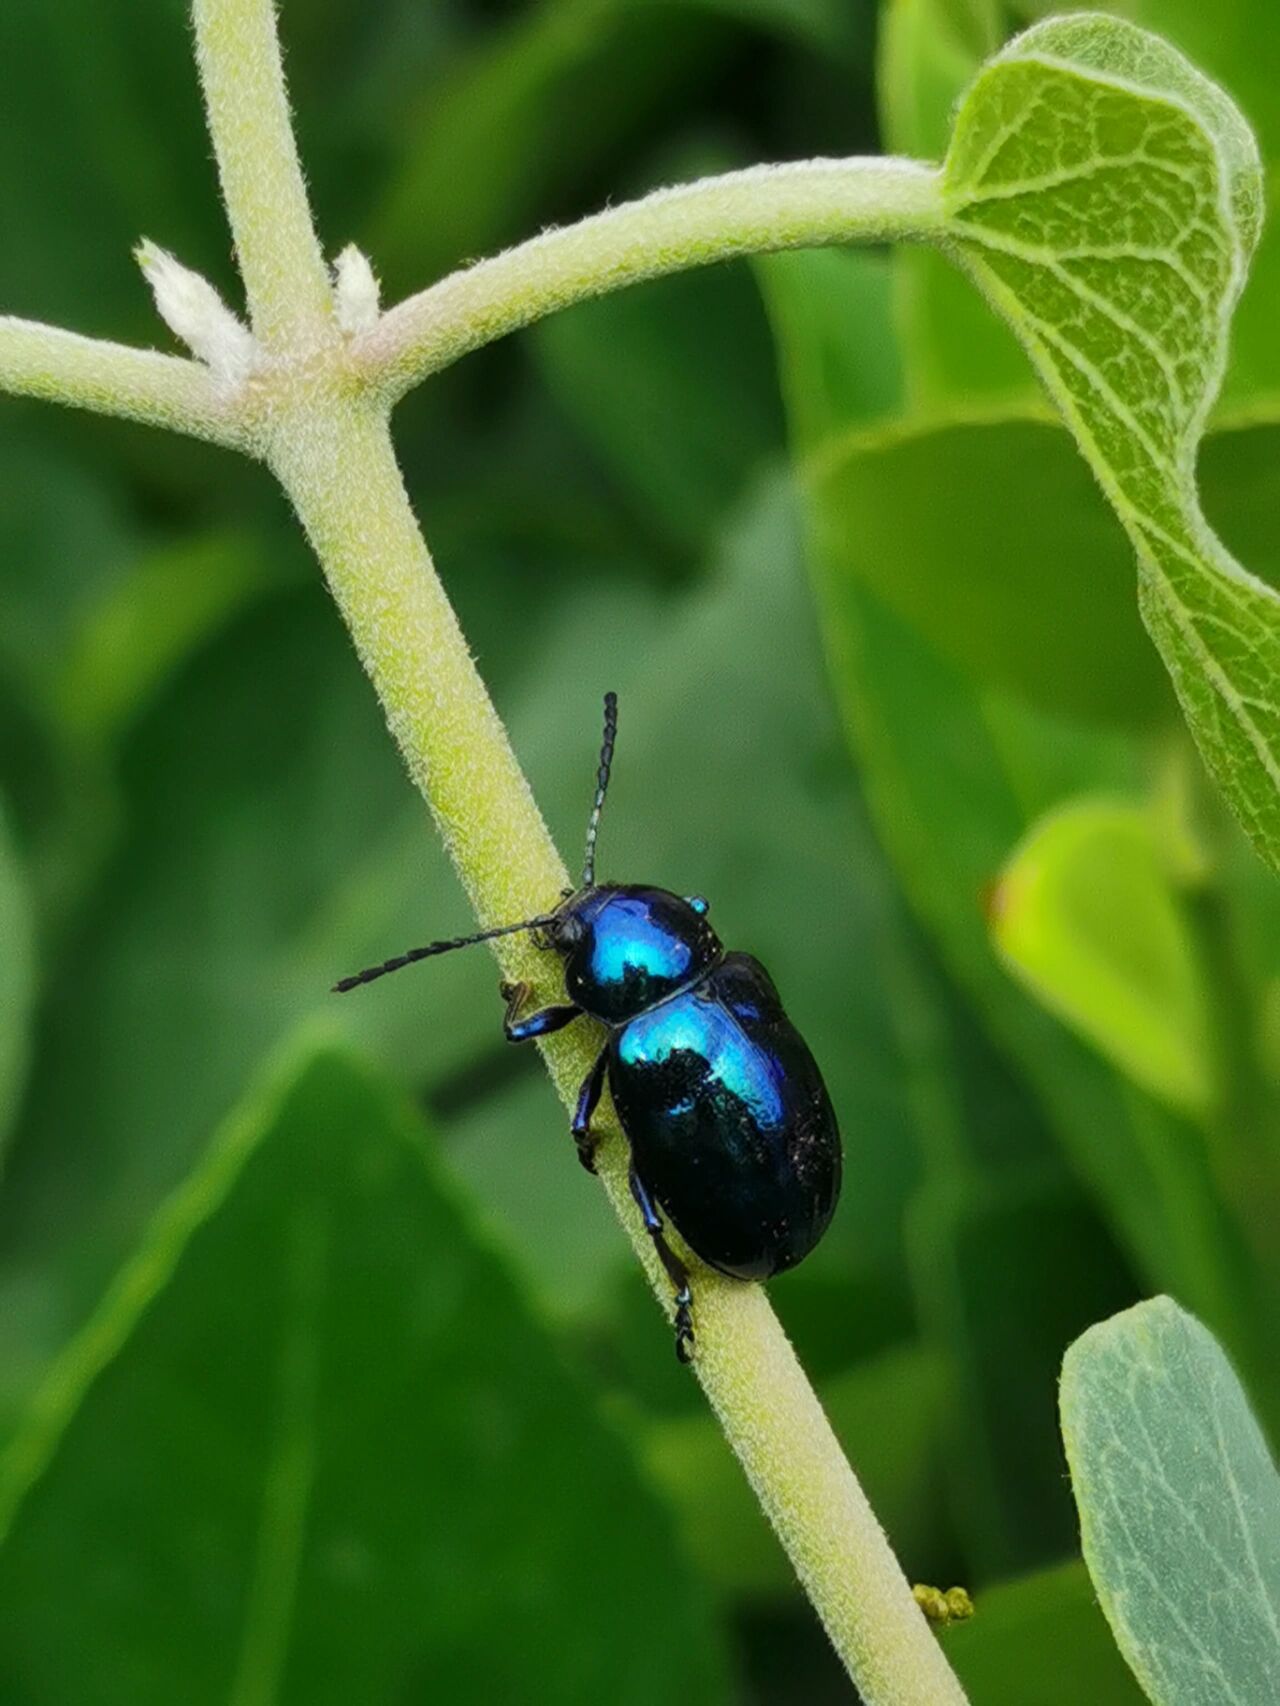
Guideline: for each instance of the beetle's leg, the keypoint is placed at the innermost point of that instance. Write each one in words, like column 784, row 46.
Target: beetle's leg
column 540, row 1024
column 588, row 1097
column 676, row 1270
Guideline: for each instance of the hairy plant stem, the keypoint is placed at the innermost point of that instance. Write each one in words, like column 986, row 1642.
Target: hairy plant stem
column 316, row 409
column 277, row 250
column 111, row 379
column 806, row 204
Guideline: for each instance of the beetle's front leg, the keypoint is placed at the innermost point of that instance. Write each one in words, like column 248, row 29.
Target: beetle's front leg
column 539, row 1024
column 677, row 1273
column 588, row 1100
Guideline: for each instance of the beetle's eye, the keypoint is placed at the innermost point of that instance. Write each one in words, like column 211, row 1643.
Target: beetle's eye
column 697, row 902
column 568, row 931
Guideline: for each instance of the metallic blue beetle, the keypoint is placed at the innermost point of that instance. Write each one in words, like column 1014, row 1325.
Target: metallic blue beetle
column 731, row 1130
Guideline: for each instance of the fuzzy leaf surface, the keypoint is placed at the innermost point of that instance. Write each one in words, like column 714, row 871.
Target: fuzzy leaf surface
column 1107, row 198
column 1179, row 1507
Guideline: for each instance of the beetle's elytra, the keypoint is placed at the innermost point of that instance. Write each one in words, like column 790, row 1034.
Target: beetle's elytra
column 731, row 1130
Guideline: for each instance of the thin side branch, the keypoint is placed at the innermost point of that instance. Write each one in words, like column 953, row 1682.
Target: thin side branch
column 285, row 277
column 113, row 379
column 810, row 204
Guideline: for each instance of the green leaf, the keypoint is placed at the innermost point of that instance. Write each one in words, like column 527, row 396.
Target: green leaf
column 99, row 147
column 1041, row 1641
column 1008, row 1269
column 1107, row 197
column 1045, row 611
column 65, row 542
column 17, row 975
column 1087, row 915
column 136, row 634
column 1179, row 1507
column 313, row 1448
column 830, row 371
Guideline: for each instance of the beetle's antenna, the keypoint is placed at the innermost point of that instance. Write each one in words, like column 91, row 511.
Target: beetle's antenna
column 602, row 785
column 370, row 973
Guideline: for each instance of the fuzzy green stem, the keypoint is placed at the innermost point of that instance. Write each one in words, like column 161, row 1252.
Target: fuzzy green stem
column 285, row 278
column 763, row 209
column 336, row 461
column 138, row 384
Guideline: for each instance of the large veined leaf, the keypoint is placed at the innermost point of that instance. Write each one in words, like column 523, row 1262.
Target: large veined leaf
column 314, row 1447
column 1107, row 197
column 929, row 51
column 1179, row 1507
column 1237, row 44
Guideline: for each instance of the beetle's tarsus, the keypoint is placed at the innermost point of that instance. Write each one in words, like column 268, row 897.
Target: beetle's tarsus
column 677, row 1273
column 684, row 1326
column 539, row 1024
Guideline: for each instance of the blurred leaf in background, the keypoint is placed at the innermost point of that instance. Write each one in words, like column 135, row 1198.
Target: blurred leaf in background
column 1042, row 1641
column 1087, row 914
column 313, row 1447
column 17, row 974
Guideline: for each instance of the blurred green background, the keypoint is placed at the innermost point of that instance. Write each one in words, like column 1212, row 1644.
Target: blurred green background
column 379, row 1408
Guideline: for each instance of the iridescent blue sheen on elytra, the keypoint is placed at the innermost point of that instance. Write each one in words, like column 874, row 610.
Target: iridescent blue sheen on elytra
column 696, row 1034
column 729, row 1122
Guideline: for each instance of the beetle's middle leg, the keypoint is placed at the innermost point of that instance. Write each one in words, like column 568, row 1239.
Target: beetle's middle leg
column 539, row 1024
column 676, row 1270
column 588, row 1099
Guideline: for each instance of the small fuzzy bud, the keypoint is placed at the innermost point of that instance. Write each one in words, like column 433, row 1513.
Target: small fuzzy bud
column 356, row 290
column 193, row 310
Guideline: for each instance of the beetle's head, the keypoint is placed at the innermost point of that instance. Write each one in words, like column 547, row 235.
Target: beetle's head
column 626, row 948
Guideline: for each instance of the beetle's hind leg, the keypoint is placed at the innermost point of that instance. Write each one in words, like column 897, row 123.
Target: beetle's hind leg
column 540, row 1024
column 676, row 1270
